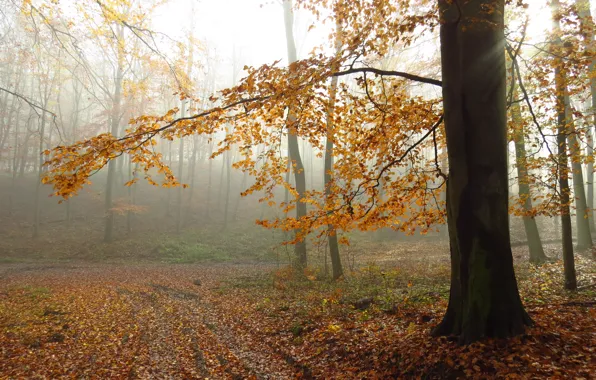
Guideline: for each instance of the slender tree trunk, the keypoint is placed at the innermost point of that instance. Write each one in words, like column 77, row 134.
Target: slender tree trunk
column 228, row 165
column 328, row 169
column 192, row 168
column 169, row 196
column 74, row 123
column 180, row 173
column 484, row 300
column 242, row 188
column 587, row 28
column 114, row 127
column 131, row 194
column 210, row 176
column 566, row 231
column 293, row 147
column 584, row 237
column 36, row 210
column 221, row 179
column 15, row 158
column 537, row 255
column 24, row 152
column 561, row 90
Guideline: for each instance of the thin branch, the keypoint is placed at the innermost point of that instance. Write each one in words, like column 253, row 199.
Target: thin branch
column 29, row 102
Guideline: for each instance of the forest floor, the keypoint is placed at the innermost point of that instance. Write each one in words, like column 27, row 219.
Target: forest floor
column 232, row 320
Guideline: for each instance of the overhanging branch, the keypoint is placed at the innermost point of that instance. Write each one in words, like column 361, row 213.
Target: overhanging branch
column 401, row 74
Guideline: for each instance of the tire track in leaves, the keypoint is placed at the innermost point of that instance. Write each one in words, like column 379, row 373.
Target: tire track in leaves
column 115, row 322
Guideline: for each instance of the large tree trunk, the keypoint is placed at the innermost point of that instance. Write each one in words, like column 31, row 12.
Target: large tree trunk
column 537, row 255
column 293, row 147
column 484, row 299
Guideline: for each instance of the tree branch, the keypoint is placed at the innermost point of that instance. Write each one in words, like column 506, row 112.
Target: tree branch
column 29, row 102
column 401, row 74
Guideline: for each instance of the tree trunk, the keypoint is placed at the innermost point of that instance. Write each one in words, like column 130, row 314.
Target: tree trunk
column 114, row 127
column 209, row 175
column 169, row 191
column 331, row 231
column 225, row 189
column 484, row 299
column 294, row 150
column 180, row 173
column 587, row 28
column 584, row 237
column 74, row 122
column 192, row 166
column 242, row 188
column 15, row 157
column 36, row 210
column 24, row 152
column 537, row 255
column 561, row 89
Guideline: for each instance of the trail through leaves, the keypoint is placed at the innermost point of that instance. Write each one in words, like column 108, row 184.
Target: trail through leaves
column 242, row 321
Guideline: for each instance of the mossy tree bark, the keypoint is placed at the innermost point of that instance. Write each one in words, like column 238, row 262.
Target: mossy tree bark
column 484, row 299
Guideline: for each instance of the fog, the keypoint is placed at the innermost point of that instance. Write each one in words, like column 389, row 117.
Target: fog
column 297, row 189
column 61, row 73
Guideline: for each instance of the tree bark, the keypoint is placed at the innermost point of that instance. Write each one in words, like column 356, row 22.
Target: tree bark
column 328, row 167
column 36, row 209
column 584, row 237
column 228, row 165
column 293, row 147
column 192, row 168
column 563, row 166
column 180, row 173
column 588, row 30
column 484, row 299
column 537, row 255
column 209, row 180
column 114, row 127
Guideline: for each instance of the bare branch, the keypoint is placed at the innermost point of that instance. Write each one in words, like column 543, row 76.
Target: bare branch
column 401, row 74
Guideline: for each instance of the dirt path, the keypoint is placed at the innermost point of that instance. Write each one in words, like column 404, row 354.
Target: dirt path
column 145, row 321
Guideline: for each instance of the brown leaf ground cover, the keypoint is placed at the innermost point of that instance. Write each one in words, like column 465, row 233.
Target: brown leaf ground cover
column 248, row 321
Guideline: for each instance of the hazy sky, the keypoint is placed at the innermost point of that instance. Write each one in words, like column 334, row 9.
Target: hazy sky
column 254, row 28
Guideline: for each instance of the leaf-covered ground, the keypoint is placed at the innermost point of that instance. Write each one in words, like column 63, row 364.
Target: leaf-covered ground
column 248, row 321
